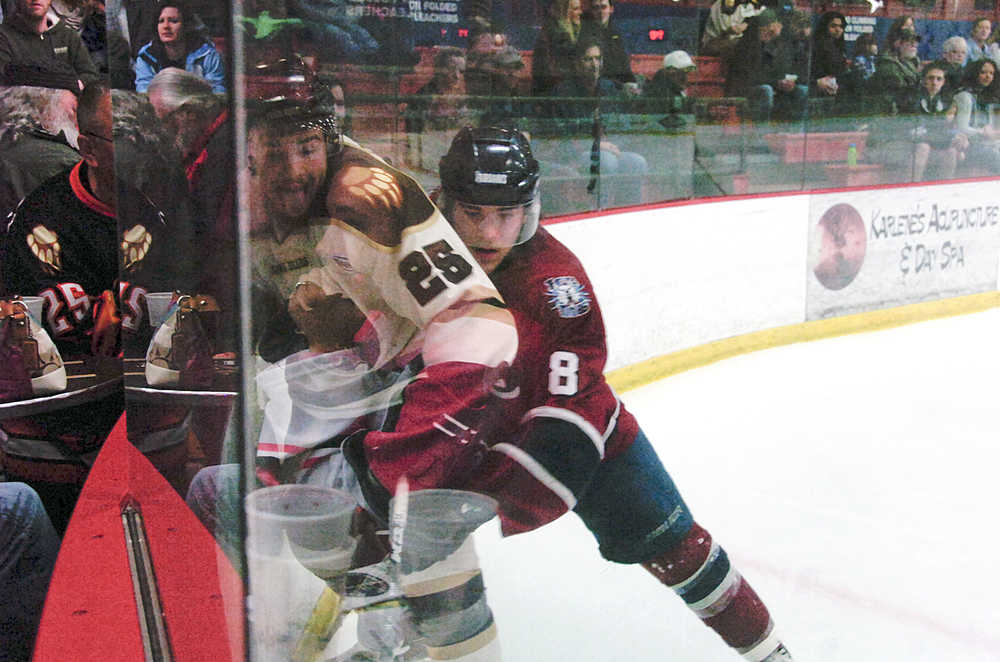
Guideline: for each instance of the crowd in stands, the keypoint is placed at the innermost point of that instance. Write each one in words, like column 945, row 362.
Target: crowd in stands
column 786, row 70
column 786, row 64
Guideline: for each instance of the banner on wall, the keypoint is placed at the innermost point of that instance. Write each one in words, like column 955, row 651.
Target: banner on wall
column 890, row 247
column 421, row 11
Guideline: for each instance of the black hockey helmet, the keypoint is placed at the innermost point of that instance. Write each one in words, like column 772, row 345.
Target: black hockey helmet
column 492, row 166
column 284, row 96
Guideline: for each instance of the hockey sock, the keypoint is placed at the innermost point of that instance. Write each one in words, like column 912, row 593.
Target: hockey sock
column 698, row 570
column 448, row 608
column 440, row 575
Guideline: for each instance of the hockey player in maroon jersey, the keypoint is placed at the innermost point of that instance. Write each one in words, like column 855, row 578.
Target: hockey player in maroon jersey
column 558, row 437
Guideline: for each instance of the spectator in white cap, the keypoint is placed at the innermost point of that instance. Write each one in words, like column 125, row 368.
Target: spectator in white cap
column 666, row 92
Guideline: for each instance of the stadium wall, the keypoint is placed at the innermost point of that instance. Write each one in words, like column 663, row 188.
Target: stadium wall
column 685, row 284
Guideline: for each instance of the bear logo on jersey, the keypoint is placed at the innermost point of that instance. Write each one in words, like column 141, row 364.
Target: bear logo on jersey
column 567, row 296
column 375, row 186
column 44, row 244
column 135, row 246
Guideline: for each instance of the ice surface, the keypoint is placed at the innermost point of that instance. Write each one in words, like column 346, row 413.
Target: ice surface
column 852, row 481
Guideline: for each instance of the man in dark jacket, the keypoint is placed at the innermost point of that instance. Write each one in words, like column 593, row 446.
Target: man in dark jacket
column 597, row 26
column 666, row 92
column 34, row 51
column 763, row 70
column 585, row 104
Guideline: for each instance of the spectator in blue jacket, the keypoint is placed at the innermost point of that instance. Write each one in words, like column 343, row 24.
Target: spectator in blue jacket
column 176, row 46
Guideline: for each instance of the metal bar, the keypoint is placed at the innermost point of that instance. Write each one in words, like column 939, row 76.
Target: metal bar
column 155, row 643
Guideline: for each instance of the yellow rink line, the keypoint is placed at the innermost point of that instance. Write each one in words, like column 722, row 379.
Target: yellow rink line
column 658, row 367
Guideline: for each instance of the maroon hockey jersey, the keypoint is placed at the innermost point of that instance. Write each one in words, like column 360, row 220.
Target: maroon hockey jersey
column 554, row 418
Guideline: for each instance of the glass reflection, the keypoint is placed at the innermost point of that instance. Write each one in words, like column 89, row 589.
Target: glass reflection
column 352, row 314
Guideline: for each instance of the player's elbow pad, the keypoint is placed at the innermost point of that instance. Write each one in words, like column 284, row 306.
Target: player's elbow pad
column 558, row 455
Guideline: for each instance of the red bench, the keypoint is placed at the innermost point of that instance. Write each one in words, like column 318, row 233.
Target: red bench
column 816, row 147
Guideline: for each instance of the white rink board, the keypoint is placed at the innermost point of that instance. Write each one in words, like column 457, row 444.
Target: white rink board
column 676, row 277
column 681, row 276
column 856, row 492
column 908, row 245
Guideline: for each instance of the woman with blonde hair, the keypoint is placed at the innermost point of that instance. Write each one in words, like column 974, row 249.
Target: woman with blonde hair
column 555, row 49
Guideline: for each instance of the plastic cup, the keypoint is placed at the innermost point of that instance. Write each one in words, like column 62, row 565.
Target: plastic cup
column 315, row 521
column 158, row 303
column 34, row 306
column 437, row 523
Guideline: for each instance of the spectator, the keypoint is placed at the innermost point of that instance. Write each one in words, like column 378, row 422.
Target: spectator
column 108, row 49
column 978, row 38
column 954, row 51
column 993, row 46
column 865, row 54
column 666, row 92
column 28, row 549
column 36, row 51
column 438, row 109
column 441, row 103
column 493, row 76
column 725, row 24
column 898, row 25
column 924, row 135
column 175, row 45
column 134, row 20
column 936, row 142
column 63, row 243
column 597, row 26
column 762, row 70
column 198, row 121
column 145, row 156
column 897, row 73
column 94, row 32
column 581, row 103
column 829, row 57
column 854, row 84
column 70, row 12
column 980, row 89
column 796, row 35
column 492, row 64
column 555, row 48
column 37, row 139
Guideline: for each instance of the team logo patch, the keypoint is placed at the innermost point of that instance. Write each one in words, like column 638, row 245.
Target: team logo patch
column 44, row 244
column 375, row 186
column 567, row 296
column 135, row 246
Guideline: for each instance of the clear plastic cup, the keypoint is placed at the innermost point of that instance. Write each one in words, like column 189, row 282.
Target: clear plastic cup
column 315, row 521
column 157, row 304
column 34, row 305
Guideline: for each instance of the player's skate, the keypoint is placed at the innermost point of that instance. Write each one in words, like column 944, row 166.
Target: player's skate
column 780, row 654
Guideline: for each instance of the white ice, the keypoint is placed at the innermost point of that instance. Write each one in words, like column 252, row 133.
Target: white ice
column 852, row 481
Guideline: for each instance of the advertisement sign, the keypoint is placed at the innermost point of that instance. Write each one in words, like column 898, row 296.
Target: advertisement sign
column 883, row 248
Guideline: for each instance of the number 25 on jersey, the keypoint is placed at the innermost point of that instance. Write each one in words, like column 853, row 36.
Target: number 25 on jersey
column 415, row 270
